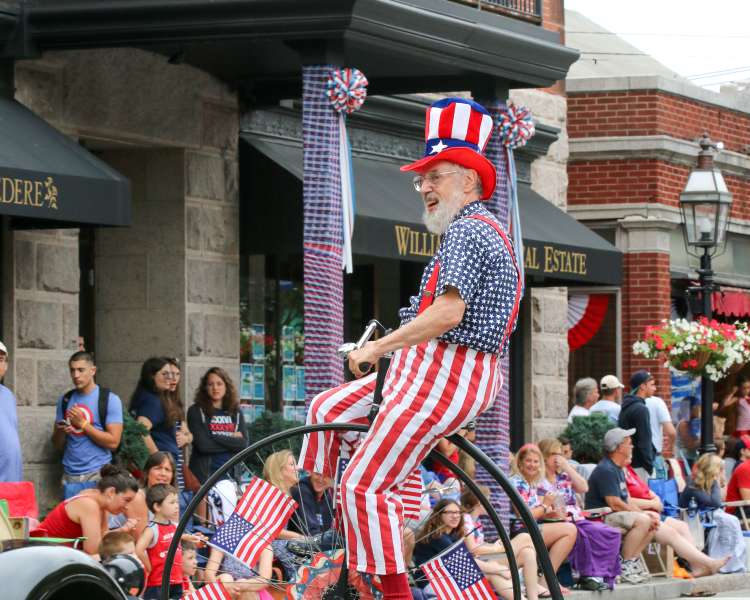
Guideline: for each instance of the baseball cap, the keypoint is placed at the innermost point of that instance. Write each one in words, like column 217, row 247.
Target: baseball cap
column 638, row 378
column 3, row 348
column 614, row 437
column 745, row 440
column 610, row 382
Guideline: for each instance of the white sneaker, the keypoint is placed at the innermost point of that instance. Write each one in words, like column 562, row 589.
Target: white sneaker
column 630, row 572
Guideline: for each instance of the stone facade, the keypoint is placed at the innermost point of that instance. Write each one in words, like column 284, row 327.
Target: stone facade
column 167, row 285
column 546, row 360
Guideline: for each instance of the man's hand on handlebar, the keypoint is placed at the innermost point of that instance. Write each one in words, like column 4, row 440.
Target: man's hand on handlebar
column 365, row 354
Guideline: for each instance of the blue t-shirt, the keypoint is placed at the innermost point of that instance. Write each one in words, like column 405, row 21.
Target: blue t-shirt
column 607, row 479
column 81, row 454
column 147, row 404
column 425, row 551
column 11, row 463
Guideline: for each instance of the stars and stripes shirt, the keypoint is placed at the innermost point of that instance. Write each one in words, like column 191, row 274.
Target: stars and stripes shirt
column 474, row 260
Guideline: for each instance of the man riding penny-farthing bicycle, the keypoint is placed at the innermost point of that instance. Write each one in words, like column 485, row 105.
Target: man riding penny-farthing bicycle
column 445, row 366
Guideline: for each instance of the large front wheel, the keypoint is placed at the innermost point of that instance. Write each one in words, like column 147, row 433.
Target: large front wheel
column 312, row 567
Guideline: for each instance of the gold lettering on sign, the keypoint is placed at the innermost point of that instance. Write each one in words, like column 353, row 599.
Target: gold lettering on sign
column 564, row 261
column 411, row 242
column 28, row 192
column 531, row 261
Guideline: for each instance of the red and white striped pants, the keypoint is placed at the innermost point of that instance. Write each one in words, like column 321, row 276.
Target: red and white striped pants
column 430, row 391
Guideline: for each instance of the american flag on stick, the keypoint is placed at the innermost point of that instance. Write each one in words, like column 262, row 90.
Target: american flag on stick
column 257, row 519
column 455, row 574
column 212, row 591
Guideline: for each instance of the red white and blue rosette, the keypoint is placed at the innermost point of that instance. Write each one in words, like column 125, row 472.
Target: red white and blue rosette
column 515, row 126
column 347, row 89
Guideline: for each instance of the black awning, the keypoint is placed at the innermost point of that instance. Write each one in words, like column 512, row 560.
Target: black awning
column 388, row 224
column 47, row 177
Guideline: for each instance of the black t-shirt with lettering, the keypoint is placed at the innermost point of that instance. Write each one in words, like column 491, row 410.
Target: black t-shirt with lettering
column 607, row 479
column 219, row 424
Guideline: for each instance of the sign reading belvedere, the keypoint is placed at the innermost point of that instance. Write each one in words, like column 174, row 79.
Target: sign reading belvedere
column 29, row 192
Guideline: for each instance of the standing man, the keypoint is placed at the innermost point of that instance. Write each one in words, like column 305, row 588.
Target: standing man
column 661, row 428
column 88, row 426
column 585, row 395
column 445, row 369
column 635, row 415
column 609, row 403
column 11, row 463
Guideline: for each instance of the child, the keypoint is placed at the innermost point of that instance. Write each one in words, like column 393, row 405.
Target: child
column 153, row 545
column 189, row 566
column 116, row 542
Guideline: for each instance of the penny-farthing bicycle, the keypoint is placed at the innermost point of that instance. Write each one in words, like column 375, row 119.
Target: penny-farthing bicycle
column 317, row 561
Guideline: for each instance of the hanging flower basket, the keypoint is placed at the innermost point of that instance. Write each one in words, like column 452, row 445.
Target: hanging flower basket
column 703, row 347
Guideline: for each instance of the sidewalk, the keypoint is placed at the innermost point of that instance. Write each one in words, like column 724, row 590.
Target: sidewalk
column 661, row 588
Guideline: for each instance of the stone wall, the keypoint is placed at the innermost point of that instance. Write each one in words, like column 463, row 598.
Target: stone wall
column 168, row 285
column 41, row 330
column 546, row 330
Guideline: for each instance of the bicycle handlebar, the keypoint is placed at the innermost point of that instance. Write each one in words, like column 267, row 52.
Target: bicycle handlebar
column 345, row 349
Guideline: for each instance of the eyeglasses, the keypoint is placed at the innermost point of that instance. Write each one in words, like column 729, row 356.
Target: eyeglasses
column 431, row 178
column 452, row 513
column 168, row 374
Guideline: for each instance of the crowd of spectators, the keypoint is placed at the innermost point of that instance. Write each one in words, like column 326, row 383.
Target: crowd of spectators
column 597, row 521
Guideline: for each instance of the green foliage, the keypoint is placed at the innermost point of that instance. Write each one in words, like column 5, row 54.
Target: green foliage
column 586, row 435
column 265, row 425
column 132, row 453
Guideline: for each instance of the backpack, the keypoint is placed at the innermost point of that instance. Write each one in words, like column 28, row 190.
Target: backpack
column 103, row 404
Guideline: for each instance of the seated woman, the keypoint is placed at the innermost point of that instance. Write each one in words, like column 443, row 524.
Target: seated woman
column 444, row 527
column 248, row 584
column 159, row 468
column 708, row 490
column 596, row 553
column 559, row 536
column 280, row 470
column 85, row 515
column 523, row 547
column 672, row 532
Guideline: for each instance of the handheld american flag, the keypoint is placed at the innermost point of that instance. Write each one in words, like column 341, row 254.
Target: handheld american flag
column 212, row 591
column 258, row 518
column 455, row 574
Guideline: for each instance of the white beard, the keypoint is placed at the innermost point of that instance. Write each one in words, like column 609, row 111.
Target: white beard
column 437, row 221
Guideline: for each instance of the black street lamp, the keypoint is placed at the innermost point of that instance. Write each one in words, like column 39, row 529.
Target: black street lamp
column 705, row 203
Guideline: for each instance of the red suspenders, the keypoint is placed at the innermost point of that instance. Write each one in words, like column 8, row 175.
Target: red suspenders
column 428, row 294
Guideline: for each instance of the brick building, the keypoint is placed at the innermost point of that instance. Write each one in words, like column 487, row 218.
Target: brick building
column 164, row 107
column 633, row 140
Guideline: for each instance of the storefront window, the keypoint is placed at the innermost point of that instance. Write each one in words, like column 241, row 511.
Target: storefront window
column 600, row 355
column 272, row 335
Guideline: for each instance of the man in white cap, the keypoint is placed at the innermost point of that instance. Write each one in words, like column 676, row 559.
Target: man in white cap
column 609, row 403
column 607, row 488
column 11, row 463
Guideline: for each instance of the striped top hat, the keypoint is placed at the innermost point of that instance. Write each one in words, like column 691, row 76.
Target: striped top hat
column 458, row 130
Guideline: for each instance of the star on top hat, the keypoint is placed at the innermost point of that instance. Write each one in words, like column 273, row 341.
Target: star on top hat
column 458, row 130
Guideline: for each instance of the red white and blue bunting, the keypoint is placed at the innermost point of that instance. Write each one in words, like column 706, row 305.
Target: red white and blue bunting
column 586, row 314
column 515, row 127
column 347, row 91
